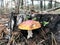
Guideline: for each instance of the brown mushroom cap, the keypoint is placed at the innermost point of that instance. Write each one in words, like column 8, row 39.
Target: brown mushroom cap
column 29, row 25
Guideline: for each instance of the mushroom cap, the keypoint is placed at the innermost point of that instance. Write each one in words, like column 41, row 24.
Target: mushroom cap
column 29, row 25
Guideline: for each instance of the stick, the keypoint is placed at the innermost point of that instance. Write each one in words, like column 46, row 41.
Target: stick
column 53, row 39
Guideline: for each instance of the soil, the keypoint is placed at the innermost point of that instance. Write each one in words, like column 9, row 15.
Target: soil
column 41, row 36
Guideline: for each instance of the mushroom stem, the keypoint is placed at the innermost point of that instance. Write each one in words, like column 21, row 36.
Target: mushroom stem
column 29, row 34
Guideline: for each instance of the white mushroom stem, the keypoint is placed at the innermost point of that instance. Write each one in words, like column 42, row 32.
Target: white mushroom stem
column 29, row 34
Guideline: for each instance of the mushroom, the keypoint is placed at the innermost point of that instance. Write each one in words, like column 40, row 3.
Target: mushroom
column 29, row 25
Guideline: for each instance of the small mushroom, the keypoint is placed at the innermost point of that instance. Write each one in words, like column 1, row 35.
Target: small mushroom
column 29, row 25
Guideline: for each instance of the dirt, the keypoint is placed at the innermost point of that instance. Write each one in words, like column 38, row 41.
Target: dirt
column 42, row 36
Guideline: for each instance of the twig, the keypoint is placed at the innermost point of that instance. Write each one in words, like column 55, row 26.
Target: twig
column 43, row 33
column 53, row 39
column 41, row 41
